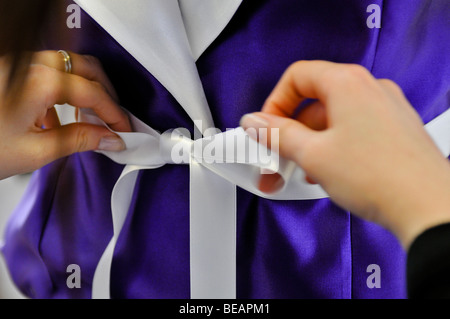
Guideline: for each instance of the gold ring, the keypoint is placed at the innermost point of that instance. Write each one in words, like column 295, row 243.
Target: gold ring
column 67, row 61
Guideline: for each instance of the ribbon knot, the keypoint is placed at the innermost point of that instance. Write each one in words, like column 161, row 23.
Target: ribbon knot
column 176, row 146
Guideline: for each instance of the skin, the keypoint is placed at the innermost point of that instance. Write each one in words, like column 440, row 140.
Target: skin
column 30, row 131
column 362, row 142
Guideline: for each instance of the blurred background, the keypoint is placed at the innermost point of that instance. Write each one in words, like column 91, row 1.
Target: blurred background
column 11, row 191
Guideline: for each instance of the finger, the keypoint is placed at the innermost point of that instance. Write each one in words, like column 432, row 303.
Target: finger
column 86, row 66
column 287, row 139
column 314, row 116
column 300, row 81
column 270, row 183
column 75, row 138
column 62, row 88
column 292, row 137
column 325, row 81
column 51, row 119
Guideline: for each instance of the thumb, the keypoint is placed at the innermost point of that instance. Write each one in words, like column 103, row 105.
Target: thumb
column 288, row 140
column 79, row 137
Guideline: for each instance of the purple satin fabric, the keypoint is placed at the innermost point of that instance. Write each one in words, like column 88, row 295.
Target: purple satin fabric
column 286, row 249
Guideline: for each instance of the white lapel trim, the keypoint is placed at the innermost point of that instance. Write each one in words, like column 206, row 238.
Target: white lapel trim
column 153, row 32
column 205, row 20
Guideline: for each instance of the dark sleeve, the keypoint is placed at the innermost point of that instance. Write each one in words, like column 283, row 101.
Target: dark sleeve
column 428, row 265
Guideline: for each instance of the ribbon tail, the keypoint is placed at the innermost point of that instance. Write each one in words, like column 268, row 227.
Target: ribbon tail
column 102, row 275
column 120, row 203
column 212, row 235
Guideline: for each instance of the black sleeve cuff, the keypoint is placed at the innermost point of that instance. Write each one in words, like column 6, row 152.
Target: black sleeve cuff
column 428, row 265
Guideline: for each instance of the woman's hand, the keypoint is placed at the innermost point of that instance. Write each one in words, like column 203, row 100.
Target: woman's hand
column 362, row 142
column 30, row 133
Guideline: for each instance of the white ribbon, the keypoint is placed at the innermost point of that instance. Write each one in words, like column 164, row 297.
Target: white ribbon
column 212, row 206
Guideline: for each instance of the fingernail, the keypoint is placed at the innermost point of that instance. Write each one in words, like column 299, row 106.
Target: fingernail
column 254, row 121
column 251, row 123
column 111, row 143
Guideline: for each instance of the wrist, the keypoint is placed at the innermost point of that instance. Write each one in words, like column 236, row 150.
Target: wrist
column 418, row 206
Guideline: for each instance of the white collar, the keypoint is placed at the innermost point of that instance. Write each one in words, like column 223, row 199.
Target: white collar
column 167, row 37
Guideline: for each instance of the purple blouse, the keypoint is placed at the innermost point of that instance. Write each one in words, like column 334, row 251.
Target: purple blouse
column 285, row 249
